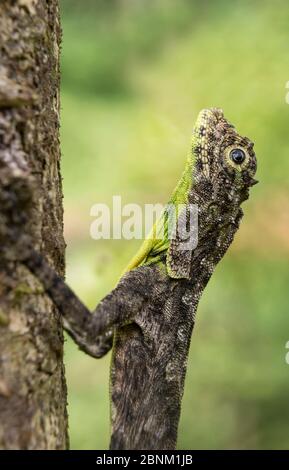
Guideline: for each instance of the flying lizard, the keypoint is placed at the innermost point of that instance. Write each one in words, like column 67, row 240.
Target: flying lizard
column 149, row 316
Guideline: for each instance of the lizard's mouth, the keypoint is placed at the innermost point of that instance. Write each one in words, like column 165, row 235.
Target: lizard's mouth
column 250, row 181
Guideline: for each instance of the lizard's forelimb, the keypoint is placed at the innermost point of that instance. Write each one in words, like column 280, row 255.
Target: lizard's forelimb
column 76, row 317
column 92, row 332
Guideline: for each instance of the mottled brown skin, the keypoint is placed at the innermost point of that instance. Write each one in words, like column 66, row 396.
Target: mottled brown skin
column 152, row 313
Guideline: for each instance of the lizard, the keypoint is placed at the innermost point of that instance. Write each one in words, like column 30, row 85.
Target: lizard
column 149, row 316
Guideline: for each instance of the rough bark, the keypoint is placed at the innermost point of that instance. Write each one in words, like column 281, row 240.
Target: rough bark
column 32, row 384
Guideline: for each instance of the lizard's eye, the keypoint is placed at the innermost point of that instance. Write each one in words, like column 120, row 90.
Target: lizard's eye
column 238, row 156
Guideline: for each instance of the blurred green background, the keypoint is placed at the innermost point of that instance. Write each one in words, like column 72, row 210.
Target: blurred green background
column 135, row 73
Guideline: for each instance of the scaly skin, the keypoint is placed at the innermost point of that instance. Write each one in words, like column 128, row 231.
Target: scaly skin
column 152, row 310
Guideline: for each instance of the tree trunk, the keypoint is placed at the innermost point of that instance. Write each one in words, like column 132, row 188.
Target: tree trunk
column 32, row 384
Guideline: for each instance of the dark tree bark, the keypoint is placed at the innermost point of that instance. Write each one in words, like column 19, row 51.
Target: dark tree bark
column 32, row 384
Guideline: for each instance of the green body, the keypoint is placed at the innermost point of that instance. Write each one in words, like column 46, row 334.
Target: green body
column 157, row 242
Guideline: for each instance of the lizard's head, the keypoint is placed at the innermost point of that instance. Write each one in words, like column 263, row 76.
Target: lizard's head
column 223, row 165
column 224, row 161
